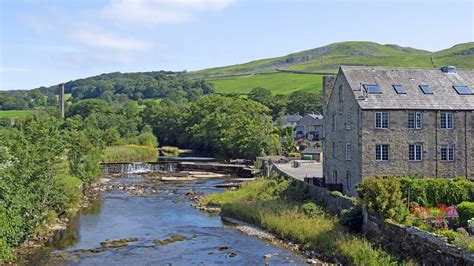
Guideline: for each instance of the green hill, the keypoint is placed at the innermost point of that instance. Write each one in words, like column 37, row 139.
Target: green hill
column 328, row 59
column 241, row 78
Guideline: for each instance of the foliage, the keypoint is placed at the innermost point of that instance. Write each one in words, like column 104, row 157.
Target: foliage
column 466, row 212
column 170, row 151
column 336, row 194
column 352, row 218
column 232, row 126
column 265, row 203
column 129, row 153
column 436, row 191
column 6, row 253
column 302, row 102
column 84, row 157
column 383, row 197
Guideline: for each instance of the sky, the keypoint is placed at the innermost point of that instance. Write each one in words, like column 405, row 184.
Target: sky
column 44, row 43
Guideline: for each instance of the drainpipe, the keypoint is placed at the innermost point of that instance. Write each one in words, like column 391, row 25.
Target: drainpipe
column 436, row 143
column 466, row 157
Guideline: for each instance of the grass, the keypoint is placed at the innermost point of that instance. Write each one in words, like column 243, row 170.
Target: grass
column 265, row 203
column 129, row 153
column 280, row 83
column 15, row 113
column 329, row 57
column 170, row 151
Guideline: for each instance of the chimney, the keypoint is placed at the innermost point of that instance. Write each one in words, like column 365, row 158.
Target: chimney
column 61, row 100
column 449, row 69
column 328, row 86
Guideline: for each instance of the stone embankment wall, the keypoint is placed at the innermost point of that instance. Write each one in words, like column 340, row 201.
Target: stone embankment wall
column 332, row 203
column 410, row 242
column 427, row 248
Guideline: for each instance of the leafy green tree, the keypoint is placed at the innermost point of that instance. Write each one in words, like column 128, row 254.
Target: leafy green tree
column 87, row 107
column 302, row 102
column 84, row 157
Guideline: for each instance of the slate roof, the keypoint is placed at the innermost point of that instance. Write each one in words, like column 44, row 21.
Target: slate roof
column 312, row 150
column 311, row 120
column 444, row 96
column 292, row 118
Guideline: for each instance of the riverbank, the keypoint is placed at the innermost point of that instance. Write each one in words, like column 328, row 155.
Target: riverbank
column 280, row 207
column 129, row 153
column 55, row 227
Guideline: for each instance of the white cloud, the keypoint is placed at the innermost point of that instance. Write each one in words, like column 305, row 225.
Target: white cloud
column 159, row 11
column 104, row 40
column 6, row 69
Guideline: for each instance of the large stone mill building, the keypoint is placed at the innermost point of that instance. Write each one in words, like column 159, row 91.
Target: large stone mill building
column 396, row 122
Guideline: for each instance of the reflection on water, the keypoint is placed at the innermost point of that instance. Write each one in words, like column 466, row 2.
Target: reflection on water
column 158, row 216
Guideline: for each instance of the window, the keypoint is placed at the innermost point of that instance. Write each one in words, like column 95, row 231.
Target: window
column 463, row 90
column 349, row 180
column 447, row 152
column 415, row 120
column 415, row 152
column 334, row 122
column 426, row 89
column 334, row 149
column 400, row 89
column 334, row 176
column 348, row 122
column 381, row 152
column 381, row 120
column 447, row 120
column 372, row 89
column 341, row 93
column 348, row 151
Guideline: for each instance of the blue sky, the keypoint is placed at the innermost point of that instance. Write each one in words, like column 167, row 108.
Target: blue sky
column 43, row 43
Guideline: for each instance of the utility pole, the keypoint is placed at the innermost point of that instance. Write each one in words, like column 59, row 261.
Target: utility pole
column 61, row 100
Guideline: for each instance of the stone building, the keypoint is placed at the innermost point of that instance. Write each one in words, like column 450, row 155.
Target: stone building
column 310, row 128
column 397, row 121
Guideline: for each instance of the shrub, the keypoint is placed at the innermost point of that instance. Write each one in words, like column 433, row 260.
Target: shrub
column 466, row 212
column 6, row 254
column 170, row 151
column 449, row 234
column 336, row 194
column 383, row 197
column 312, row 210
column 352, row 218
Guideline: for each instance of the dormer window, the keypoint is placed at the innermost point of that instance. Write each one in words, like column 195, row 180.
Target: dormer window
column 463, row 90
column 426, row 89
column 372, row 89
column 400, row 89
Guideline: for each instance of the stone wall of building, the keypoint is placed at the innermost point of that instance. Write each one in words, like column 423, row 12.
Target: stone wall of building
column 348, row 170
column 431, row 136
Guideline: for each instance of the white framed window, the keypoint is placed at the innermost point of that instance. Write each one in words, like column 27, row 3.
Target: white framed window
column 334, row 149
column 381, row 152
column 348, row 121
column 415, row 152
column 348, row 151
column 349, row 180
column 447, row 120
column 415, row 120
column 381, row 120
column 334, row 176
column 447, row 152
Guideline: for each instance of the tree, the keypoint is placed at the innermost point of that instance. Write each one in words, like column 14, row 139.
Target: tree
column 87, row 107
column 302, row 102
column 261, row 95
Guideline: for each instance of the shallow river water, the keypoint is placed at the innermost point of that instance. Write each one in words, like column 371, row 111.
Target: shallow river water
column 166, row 211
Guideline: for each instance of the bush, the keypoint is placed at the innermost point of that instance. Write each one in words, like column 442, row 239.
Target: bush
column 352, row 218
column 170, row 151
column 6, row 254
column 336, row 194
column 312, row 210
column 435, row 191
column 466, row 212
column 383, row 197
column 449, row 234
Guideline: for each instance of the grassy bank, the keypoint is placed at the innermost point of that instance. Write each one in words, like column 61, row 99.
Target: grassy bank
column 129, row 153
column 279, row 206
column 15, row 113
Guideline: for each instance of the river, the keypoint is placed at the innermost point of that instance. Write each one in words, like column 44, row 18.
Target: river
column 162, row 211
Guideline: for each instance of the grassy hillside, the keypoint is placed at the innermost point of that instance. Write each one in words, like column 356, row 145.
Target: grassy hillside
column 328, row 58
column 242, row 78
column 279, row 83
column 15, row 113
